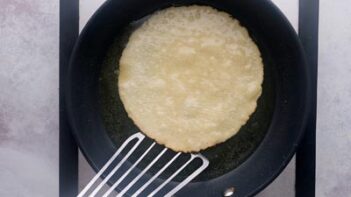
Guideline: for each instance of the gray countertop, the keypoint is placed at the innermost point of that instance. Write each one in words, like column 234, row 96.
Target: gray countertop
column 29, row 37
column 334, row 95
column 29, row 40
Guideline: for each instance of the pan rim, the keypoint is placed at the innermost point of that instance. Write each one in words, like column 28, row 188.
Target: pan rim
column 71, row 118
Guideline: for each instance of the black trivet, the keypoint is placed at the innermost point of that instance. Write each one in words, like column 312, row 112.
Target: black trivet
column 68, row 150
column 306, row 153
column 305, row 156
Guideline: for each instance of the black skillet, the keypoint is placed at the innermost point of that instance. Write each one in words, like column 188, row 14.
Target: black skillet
column 248, row 161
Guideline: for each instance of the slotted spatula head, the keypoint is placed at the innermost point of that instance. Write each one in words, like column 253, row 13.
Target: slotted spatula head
column 133, row 146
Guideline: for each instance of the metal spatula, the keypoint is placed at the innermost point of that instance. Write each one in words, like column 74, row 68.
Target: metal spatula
column 90, row 191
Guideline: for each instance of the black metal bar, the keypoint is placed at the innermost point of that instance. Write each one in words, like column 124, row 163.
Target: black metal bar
column 68, row 151
column 306, row 153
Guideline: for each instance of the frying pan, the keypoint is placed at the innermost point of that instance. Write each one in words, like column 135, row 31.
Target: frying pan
column 250, row 160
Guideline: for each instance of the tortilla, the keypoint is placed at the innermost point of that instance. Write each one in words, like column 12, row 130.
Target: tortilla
column 190, row 77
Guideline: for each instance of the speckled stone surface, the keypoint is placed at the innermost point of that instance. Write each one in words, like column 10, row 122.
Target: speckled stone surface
column 29, row 98
column 334, row 95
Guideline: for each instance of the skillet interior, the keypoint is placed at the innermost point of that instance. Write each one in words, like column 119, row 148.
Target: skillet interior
column 223, row 157
column 247, row 165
